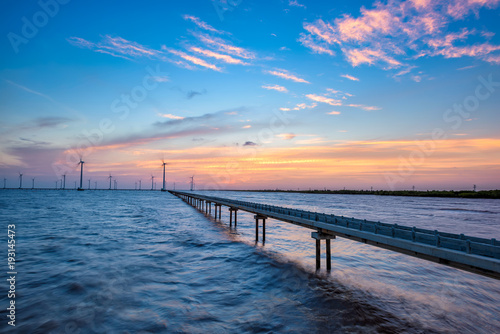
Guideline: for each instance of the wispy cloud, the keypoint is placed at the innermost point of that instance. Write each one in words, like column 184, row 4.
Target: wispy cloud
column 364, row 107
column 276, row 87
column 324, row 99
column 116, row 46
column 26, row 89
column 350, row 77
column 315, row 46
column 193, row 93
column 391, row 34
column 333, row 113
column 213, row 47
column 193, row 59
column 286, row 75
column 301, row 106
column 201, row 24
column 225, row 58
column 286, row 136
column 224, row 46
column 294, row 3
column 170, row 116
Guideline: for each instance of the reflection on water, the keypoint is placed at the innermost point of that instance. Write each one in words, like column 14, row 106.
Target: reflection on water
column 118, row 262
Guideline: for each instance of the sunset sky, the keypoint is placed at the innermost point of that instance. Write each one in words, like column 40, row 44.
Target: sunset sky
column 252, row 94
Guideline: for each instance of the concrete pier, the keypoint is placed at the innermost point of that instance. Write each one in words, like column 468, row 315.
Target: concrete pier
column 327, row 237
column 231, row 210
column 473, row 254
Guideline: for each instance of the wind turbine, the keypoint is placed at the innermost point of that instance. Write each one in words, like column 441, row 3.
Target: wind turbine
column 164, row 188
column 4, row 182
column 152, row 181
column 33, row 183
column 110, row 181
column 57, row 181
column 89, row 184
column 81, row 175
column 115, row 183
column 64, row 182
column 20, row 180
column 192, row 183
column 95, row 188
column 140, row 184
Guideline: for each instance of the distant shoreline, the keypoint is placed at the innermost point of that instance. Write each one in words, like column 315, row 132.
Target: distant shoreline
column 489, row 194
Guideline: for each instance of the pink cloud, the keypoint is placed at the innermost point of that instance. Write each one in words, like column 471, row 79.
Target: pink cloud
column 324, row 99
column 369, row 56
column 193, row 59
column 170, row 116
column 224, row 46
column 276, row 87
column 286, row 75
column 393, row 33
column 350, row 77
column 286, row 136
column 225, row 58
column 316, row 47
column 200, row 23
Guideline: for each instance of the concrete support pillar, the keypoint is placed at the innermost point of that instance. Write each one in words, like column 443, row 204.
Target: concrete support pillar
column 217, row 208
column 257, row 218
column 327, row 237
column 318, row 253
column 231, row 210
column 328, row 255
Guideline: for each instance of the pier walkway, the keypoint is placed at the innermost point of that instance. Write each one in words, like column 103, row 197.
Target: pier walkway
column 478, row 255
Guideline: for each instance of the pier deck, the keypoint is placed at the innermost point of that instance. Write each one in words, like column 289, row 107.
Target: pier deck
column 478, row 255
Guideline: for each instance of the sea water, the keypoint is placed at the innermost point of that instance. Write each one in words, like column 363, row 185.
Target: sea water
column 146, row 262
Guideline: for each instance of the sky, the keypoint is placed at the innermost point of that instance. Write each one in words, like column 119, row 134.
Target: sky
column 246, row 94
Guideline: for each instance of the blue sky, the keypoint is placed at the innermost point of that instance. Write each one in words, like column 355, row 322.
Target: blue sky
column 258, row 94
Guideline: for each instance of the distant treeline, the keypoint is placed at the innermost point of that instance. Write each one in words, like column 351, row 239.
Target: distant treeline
column 495, row 194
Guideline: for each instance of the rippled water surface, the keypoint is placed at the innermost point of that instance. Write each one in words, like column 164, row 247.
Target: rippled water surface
column 146, row 262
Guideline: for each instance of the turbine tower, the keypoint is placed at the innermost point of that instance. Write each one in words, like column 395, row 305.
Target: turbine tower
column 64, row 182
column 152, row 182
column 89, row 184
column 81, row 174
column 4, row 182
column 20, row 180
column 140, row 184
column 110, row 181
column 164, row 188
column 192, row 183
column 33, row 183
